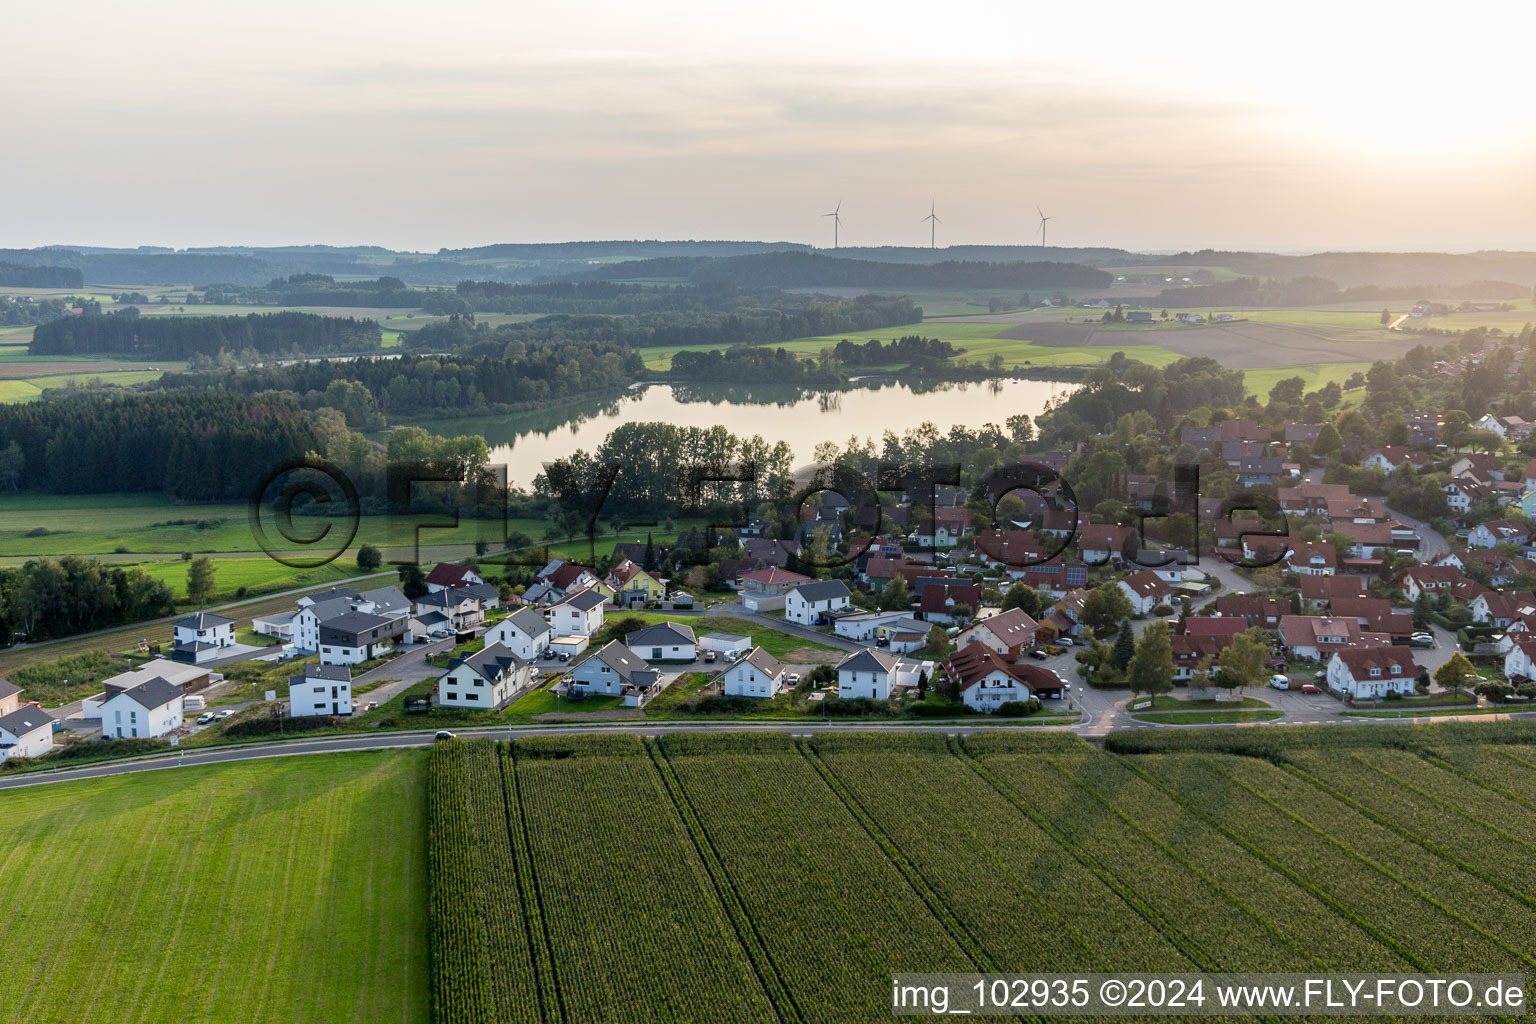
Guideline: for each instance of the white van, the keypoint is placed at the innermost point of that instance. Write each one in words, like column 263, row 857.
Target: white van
column 1280, row 682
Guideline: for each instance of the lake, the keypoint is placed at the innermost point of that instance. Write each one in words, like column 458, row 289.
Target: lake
column 525, row 441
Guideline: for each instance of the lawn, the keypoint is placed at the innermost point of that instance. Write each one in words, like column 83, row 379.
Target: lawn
column 1316, row 375
column 1167, row 703
column 279, row 890
column 254, row 575
column 1207, row 717
column 545, row 702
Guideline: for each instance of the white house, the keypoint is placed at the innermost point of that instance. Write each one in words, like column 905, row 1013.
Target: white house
column 808, row 602
column 903, row 636
column 1008, row 633
column 200, row 637
column 524, row 633
column 150, row 709
column 1496, row 532
column 445, row 576
column 1146, row 590
column 486, row 679
column 862, row 626
column 1372, row 672
column 616, row 670
column 356, row 637
column 278, row 624
column 1520, row 663
column 764, row 589
column 987, row 679
column 578, row 615
column 757, row 674
column 321, row 690
column 26, row 732
column 876, row 674
column 665, row 641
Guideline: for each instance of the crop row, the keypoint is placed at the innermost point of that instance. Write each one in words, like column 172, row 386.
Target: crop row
column 1384, row 883
column 461, row 970
column 633, row 921
column 835, row 914
column 1013, row 887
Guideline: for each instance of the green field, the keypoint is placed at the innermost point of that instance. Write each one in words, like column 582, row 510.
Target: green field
column 254, row 575
column 13, row 390
column 282, row 890
column 1001, row 851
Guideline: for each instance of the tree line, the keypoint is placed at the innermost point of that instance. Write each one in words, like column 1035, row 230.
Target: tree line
column 23, row 275
column 812, row 270
column 305, row 289
column 178, row 337
column 45, row 598
column 1315, row 291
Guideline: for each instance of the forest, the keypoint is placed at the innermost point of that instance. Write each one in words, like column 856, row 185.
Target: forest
column 22, row 275
column 305, row 289
column 46, row 598
column 1316, row 291
column 811, row 270
column 128, row 333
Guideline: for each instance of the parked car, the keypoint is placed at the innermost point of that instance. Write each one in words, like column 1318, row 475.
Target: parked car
column 1039, row 655
column 709, row 657
column 1065, row 641
column 1310, row 688
column 371, row 705
column 205, row 718
column 883, row 641
column 443, row 734
column 564, row 656
column 1422, row 640
column 223, row 714
column 1280, row 682
column 793, row 678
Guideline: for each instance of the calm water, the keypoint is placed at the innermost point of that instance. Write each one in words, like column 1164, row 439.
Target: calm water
column 802, row 419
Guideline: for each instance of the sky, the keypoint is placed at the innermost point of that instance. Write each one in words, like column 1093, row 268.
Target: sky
column 1296, row 127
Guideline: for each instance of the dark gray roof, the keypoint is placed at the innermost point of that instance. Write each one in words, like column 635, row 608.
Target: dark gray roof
column 483, row 591
column 662, row 634
column 25, row 720
column 586, row 600
column 353, row 628
column 869, row 661
column 338, row 673
column 619, row 658
column 528, row 622
column 391, row 599
column 822, row 590
column 7, row 688
column 334, row 594
column 492, row 661
column 153, row 693
column 203, row 620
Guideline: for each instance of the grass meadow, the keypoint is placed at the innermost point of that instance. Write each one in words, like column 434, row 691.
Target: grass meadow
column 279, row 890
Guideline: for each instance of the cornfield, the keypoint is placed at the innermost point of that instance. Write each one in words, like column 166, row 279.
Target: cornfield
column 757, row 877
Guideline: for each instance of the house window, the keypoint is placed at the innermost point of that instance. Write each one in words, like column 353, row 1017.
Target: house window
column 453, row 696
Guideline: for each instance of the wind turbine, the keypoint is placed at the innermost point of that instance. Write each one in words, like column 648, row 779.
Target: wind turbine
column 932, row 219
column 1043, row 219
column 836, row 221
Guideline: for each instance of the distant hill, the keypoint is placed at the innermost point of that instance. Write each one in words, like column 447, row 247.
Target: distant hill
column 813, row 270
column 1394, row 269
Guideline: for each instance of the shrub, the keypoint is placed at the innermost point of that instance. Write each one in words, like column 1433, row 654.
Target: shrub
column 1017, row 708
column 1162, row 609
column 852, row 706
column 266, row 725
column 38, row 531
column 722, row 704
column 1394, row 695
column 930, row 709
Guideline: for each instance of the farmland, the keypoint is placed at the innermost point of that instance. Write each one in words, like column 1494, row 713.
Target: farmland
column 273, row 891
column 878, row 853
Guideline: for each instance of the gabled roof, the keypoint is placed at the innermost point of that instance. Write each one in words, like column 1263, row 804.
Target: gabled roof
column 528, row 622
column 1147, row 583
column 150, row 694
column 822, row 590
column 869, row 660
column 492, row 662
column 7, row 688
column 974, row 662
column 26, row 720
column 330, row 673
column 773, row 575
column 1326, row 588
column 1011, row 627
column 446, row 574
column 585, row 600
column 1361, row 660
column 1215, row 626
column 203, row 620
column 763, row 662
column 662, row 634
column 939, row 597
column 390, row 599
column 618, row 657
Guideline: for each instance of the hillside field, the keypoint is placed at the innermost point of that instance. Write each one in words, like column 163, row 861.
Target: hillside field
column 281, row 890
column 756, row 877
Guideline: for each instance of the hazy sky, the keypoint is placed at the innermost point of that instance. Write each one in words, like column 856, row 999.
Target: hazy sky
column 1306, row 125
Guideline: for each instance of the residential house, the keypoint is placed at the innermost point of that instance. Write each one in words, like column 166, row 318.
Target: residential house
column 755, row 674
column 524, row 632
column 1313, row 638
column 1372, row 672
column 567, row 577
column 1501, row 608
column 1263, row 612
column 616, row 670
column 1098, row 544
column 356, row 637
column 862, row 625
column 1498, row 531
column 274, row 624
column 445, row 575
column 1434, row 579
column 1461, row 494
column 1309, row 499
column 634, row 586
column 1011, row 550
column 1367, row 540
column 809, row 603
column 1009, row 633
column 1520, row 663
column 903, row 636
column 874, row 674
column 938, row 600
column 25, row 732
column 1317, row 592
column 1260, row 471
column 1220, row 627
column 765, row 589
column 485, row 680
column 1146, row 589
column 1190, row 651
column 1391, row 457
column 1478, row 466
column 1375, row 615
column 665, row 641
column 987, row 680
column 1357, row 510
column 148, row 710
column 460, row 608
column 320, row 690
column 581, row 614
column 202, row 637
column 10, row 697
